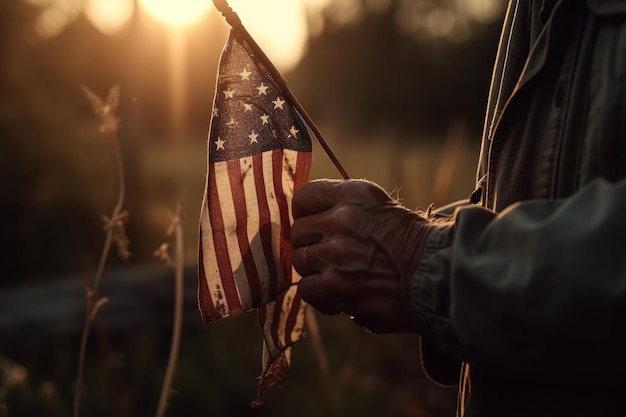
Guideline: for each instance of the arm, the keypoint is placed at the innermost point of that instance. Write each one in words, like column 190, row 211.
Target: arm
column 538, row 290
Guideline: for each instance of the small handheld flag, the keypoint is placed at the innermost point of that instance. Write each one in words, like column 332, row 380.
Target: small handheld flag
column 259, row 153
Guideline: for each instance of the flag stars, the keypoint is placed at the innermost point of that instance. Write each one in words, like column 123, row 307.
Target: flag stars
column 215, row 112
column 265, row 119
column 245, row 75
column 247, row 107
column 229, row 94
column 293, row 131
column 231, row 122
column 262, row 89
column 278, row 103
column 219, row 144
column 253, row 137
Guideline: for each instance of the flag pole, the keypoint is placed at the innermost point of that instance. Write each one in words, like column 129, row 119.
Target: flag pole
column 235, row 22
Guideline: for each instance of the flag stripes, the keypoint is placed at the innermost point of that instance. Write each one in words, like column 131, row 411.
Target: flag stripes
column 246, row 278
column 229, row 303
column 265, row 229
column 258, row 260
column 282, row 322
column 245, row 273
column 282, row 195
column 273, row 228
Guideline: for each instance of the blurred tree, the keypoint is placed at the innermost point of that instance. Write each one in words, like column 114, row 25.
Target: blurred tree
column 374, row 70
column 57, row 172
column 45, row 218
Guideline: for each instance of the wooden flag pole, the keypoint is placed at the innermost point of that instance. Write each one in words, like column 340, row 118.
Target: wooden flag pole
column 235, row 22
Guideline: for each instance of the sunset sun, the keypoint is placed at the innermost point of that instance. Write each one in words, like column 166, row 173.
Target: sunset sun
column 176, row 13
column 279, row 26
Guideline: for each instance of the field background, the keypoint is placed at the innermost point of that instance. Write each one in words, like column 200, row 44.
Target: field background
column 401, row 108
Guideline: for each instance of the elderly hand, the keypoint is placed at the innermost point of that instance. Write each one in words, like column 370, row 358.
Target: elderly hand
column 356, row 250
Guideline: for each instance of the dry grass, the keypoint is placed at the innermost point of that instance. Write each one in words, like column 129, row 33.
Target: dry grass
column 106, row 111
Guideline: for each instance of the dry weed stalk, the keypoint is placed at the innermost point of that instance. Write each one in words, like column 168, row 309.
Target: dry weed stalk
column 162, row 253
column 114, row 225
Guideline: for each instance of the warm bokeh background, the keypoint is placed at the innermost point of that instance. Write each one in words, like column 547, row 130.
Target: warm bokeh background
column 397, row 86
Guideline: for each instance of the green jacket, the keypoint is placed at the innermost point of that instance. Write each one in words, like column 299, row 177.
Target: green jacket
column 526, row 285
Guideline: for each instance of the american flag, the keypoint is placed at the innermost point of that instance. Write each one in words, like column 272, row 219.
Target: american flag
column 259, row 152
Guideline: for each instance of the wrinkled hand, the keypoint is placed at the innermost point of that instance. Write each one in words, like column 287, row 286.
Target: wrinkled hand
column 356, row 250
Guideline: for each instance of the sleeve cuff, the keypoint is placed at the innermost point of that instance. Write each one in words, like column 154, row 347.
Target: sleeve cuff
column 429, row 304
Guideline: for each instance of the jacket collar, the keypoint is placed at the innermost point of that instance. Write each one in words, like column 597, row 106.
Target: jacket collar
column 535, row 61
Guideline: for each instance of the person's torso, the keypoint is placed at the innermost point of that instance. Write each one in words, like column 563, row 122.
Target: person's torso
column 555, row 122
column 559, row 117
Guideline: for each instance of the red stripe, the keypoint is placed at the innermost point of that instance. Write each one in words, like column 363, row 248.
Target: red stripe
column 207, row 309
column 292, row 318
column 221, row 249
column 285, row 227
column 265, row 221
column 241, row 212
column 303, row 168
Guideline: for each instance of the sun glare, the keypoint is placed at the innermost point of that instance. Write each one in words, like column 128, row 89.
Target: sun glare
column 109, row 16
column 176, row 12
column 279, row 26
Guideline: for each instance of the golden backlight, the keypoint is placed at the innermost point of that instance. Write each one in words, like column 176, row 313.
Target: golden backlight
column 279, row 26
column 176, row 12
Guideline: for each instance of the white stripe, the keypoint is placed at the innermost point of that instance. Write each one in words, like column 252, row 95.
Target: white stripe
column 272, row 348
column 290, row 159
column 254, row 236
column 268, row 177
column 225, row 198
column 296, row 333
column 298, row 328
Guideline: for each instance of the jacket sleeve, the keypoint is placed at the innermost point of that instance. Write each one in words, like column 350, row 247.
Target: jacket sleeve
column 538, row 290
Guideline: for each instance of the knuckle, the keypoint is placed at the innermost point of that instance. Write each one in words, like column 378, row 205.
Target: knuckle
column 365, row 190
column 344, row 216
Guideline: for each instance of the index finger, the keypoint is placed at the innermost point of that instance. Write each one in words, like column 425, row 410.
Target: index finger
column 314, row 197
column 321, row 195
